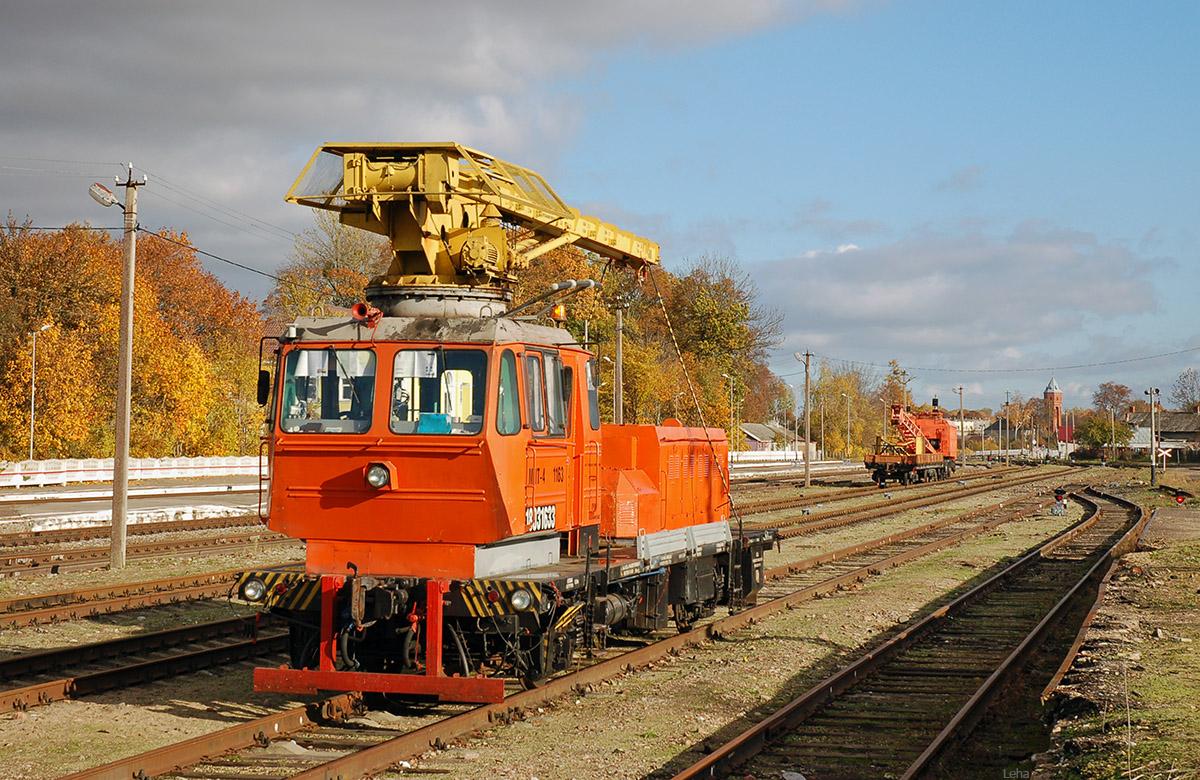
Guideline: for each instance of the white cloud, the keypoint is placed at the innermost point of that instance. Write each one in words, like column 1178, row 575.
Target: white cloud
column 947, row 296
column 229, row 99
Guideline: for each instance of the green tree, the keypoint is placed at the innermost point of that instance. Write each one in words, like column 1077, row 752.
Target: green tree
column 1097, row 431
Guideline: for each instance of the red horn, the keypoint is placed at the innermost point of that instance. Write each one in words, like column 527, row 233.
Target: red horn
column 360, row 311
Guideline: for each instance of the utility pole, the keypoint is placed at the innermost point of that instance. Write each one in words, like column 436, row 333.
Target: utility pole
column 124, row 378
column 1112, row 433
column 104, row 197
column 962, row 436
column 1007, row 429
column 808, row 430
column 1153, row 393
column 618, row 373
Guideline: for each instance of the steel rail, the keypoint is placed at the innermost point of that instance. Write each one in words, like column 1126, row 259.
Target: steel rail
column 258, row 731
column 108, row 599
column 1081, row 635
column 22, row 496
column 743, row 747
column 42, row 661
column 514, row 707
column 795, row 502
column 797, row 526
column 63, row 613
column 91, row 532
column 74, row 559
column 969, row 715
column 73, row 687
column 911, row 533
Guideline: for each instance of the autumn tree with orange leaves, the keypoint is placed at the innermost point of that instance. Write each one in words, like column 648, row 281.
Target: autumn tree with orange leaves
column 195, row 350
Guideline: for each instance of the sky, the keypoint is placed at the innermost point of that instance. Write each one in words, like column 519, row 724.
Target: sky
column 991, row 193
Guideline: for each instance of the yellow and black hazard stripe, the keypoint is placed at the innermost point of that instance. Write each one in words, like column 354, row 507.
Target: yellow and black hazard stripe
column 484, row 598
column 567, row 616
column 291, row 590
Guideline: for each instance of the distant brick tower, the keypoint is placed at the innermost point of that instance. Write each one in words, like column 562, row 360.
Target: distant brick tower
column 1053, row 399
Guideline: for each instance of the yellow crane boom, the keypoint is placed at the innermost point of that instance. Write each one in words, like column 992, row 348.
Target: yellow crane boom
column 444, row 207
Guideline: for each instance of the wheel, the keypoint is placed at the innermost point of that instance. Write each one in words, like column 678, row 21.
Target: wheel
column 302, row 646
column 534, row 670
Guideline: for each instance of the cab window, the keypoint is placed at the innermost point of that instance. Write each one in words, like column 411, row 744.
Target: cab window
column 555, row 414
column 593, row 396
column 545, row 406
column 328, row 390
column 508, row 399
column 438, row 391
column 535, row 390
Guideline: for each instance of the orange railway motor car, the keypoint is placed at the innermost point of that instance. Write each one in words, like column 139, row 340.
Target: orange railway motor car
column 468, row 519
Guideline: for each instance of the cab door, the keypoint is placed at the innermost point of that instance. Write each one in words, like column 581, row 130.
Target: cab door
column 548, row 478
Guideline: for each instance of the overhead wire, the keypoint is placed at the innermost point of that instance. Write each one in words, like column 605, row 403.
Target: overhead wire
column 261, row 234
column 198, row 251
column 252, row 221
column 229, row 262
column 1038, row 369
column 726, row 477
column 252, row 225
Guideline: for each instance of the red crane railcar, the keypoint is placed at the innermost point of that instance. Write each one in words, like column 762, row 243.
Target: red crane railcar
column 925, row 448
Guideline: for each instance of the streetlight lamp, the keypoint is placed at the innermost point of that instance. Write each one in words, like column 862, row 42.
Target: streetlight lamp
column 616, row 400
column 795, row 420
column 33, row 384
column 847, row 425
column 822, row 426
column 105, row 198
column 733, row 437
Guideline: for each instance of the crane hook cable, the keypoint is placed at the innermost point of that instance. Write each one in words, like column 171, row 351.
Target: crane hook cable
column 734, row 509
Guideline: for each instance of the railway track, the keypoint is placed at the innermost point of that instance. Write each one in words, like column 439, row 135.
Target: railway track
column 367, row 752
column 108, row 599
column 922, row 692
column 15, row 541
column 857, row 562
column 820, row 521
column 61, row 559
column 796, row 502
column 39, row 678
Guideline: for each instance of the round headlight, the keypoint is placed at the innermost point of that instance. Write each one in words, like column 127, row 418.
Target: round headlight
column 254, row 590
column 520, row 599
column 378, row 475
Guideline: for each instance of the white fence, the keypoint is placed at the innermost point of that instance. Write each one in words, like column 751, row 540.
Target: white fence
column 767, row 457
column 37, row 473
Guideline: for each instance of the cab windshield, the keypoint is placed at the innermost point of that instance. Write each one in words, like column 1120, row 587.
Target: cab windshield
column 328, row 390
column 438, row 391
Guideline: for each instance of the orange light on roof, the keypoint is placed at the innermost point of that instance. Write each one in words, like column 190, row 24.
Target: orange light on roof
column 559, row 312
